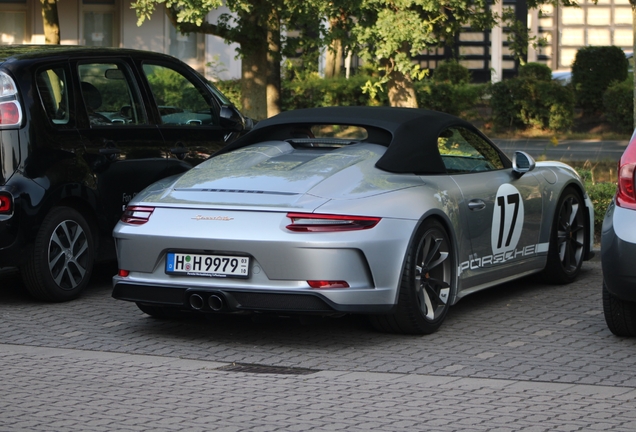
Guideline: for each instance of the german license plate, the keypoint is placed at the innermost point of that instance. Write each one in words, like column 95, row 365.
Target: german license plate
column 207, row 265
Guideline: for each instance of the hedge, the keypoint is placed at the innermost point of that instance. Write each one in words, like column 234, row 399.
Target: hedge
column 618, row 103
column 593, row 70
column 530, row 102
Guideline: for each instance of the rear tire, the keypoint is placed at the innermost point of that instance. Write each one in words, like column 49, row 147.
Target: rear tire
column 620, row 315
column 427, row 284
column 568, row 239
column 60, row 265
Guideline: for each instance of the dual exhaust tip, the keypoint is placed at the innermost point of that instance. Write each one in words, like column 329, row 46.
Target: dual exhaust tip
column 214, row 302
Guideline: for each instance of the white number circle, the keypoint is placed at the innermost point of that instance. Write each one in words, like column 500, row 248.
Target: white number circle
column 507, row 219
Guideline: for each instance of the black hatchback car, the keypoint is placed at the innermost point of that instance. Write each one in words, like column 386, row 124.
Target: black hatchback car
column 82, row 130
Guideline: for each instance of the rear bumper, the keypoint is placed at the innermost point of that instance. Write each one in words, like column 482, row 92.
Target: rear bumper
column 13, row 246
column 618, row 252
column 230, row 300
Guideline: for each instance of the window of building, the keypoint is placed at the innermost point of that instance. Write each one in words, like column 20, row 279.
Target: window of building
column 13, row 22
column 12, row 28
column 599, row 36
column 599, row 16
column 183, row 46
column 100, row 26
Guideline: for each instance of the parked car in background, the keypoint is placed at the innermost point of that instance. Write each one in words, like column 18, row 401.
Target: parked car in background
column 396, row 213
column 82, row 130
column 618, row 249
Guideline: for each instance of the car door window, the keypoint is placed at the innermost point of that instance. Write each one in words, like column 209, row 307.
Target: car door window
column 179, row 100
column 53, row 89
column 109, row 95
column 464, row 152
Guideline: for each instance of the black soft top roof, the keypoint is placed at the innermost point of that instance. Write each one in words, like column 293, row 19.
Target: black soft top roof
column 410, row 134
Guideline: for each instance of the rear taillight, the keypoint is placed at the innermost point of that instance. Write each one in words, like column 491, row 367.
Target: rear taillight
column 137, row 215
column 6, row 203
column 327, row 284
column 626, row 192
column 309, row 222
column 10, row 113
column 10, row 109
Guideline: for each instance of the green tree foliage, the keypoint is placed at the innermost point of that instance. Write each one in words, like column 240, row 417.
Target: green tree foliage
column 384, row 33
column 390, row 33
column 258, row 26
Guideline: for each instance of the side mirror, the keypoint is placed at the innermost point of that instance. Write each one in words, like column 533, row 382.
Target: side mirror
column 522, row 163
column 232, row 119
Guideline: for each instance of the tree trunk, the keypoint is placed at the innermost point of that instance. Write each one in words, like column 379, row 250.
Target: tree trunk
column 254, row 84
column 401, row 91
column 51, row 22
column 333, row 63
column 273, row 70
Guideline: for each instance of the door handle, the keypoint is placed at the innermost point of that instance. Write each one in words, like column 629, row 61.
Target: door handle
column 476, row 205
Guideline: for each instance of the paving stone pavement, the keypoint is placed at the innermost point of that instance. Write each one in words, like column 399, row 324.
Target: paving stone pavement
column 522, row 356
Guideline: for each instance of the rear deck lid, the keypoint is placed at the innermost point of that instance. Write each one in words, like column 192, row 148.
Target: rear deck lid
column 277, row 174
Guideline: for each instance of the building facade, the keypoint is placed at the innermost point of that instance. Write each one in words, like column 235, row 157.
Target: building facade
column 113, row 23
column 564, row 29
column 606, row 22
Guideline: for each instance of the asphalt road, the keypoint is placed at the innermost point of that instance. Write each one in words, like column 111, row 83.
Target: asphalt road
column 522, row 356
column 566, row 150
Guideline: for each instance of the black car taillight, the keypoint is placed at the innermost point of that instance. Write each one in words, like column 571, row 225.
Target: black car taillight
column 6, row 203
column 10, row 109
column 137, row 215
column 626, row 192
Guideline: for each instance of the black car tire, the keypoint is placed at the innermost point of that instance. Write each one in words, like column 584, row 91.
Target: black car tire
column 158, row 312
column 620, row 315
column 61, row 263
column 426, row 287
column 568, row 239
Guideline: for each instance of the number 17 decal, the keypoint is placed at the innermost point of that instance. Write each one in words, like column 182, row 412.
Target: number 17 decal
column 507, row 220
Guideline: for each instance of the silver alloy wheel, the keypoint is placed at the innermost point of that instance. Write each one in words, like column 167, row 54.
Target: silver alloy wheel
column 433, row 274
column 68, row 254
column 571, row 233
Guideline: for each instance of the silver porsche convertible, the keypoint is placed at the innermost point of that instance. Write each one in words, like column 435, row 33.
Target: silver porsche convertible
column 395, row 213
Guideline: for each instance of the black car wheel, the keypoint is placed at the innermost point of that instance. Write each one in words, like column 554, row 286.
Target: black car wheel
column 567, row 239
column 425, row 291
column 61, row 262
column 620, row 315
